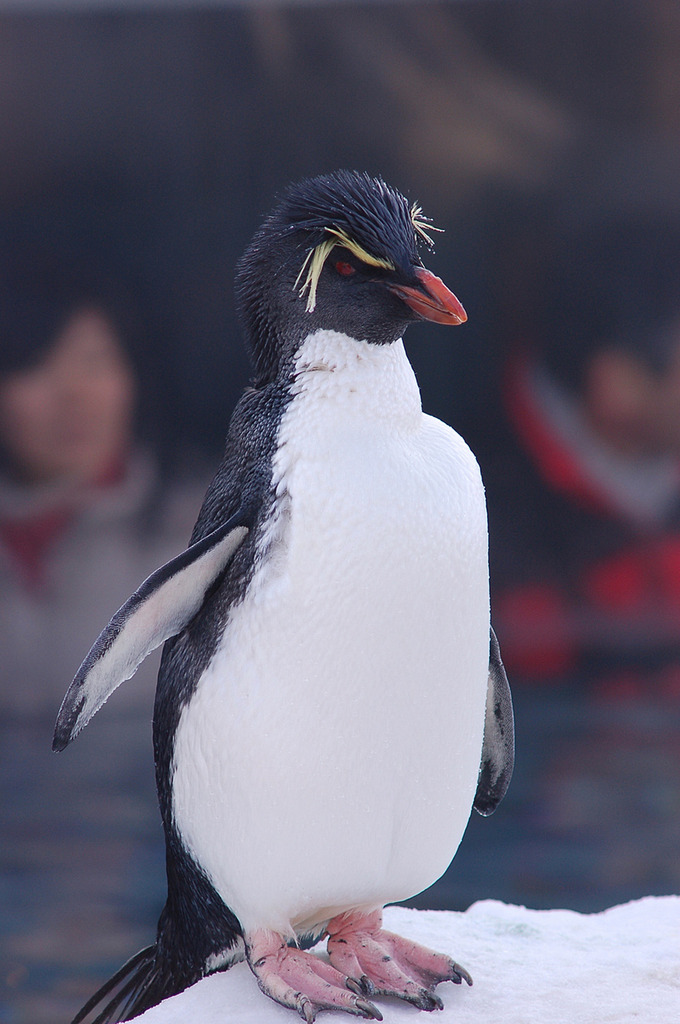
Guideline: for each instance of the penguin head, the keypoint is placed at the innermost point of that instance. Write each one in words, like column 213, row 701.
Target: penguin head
column 340, row 252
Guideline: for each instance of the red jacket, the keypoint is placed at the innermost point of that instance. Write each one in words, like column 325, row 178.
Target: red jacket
column 583, row 583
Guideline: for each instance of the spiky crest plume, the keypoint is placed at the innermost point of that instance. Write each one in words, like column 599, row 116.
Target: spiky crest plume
column 361, row 214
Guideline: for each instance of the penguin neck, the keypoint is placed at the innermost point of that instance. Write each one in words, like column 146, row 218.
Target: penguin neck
column 369, row 382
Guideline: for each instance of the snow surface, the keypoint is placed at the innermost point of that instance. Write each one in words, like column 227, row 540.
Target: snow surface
column 529, row 967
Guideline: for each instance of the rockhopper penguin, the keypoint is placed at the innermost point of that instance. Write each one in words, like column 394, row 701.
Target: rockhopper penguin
column 331, row 700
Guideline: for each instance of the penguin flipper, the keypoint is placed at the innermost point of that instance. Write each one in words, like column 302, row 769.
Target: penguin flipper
column 498, row 750
column 162, row 606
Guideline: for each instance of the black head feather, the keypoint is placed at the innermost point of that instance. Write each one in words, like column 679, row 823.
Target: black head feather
column 367, row 209
column 377, row 217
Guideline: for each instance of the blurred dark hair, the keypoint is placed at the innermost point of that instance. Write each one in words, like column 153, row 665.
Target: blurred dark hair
column 40, row 291
column 609, row 285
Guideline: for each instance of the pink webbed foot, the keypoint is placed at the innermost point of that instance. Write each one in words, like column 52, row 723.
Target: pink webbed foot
column 301, row 980
column 382, row 963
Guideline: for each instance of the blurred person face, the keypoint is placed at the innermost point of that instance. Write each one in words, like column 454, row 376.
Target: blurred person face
column 70, row 417
column 636, row 409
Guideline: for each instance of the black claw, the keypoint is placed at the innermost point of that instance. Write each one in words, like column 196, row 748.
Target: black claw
column 427, row 1001
column 459, row 974
column 363, row 987
column 368, row 1010
column 367, row 985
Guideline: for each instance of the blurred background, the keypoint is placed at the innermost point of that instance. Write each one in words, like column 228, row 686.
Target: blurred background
column 140, row 144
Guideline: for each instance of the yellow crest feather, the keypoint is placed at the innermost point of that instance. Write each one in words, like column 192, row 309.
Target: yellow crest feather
column 358, row 251
column 315, row 259
column 422, row 225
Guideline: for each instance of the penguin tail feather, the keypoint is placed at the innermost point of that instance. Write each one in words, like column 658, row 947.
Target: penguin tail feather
column 140, row 983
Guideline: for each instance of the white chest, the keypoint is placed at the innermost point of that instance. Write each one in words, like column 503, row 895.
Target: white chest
column 344, row 709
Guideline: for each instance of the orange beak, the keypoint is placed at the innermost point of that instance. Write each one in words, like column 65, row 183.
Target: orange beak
column 432, row 300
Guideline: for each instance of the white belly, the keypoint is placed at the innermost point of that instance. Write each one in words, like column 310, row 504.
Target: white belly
column 329, row 757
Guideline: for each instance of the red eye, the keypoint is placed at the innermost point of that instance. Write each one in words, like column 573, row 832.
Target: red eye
column 345, row 269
